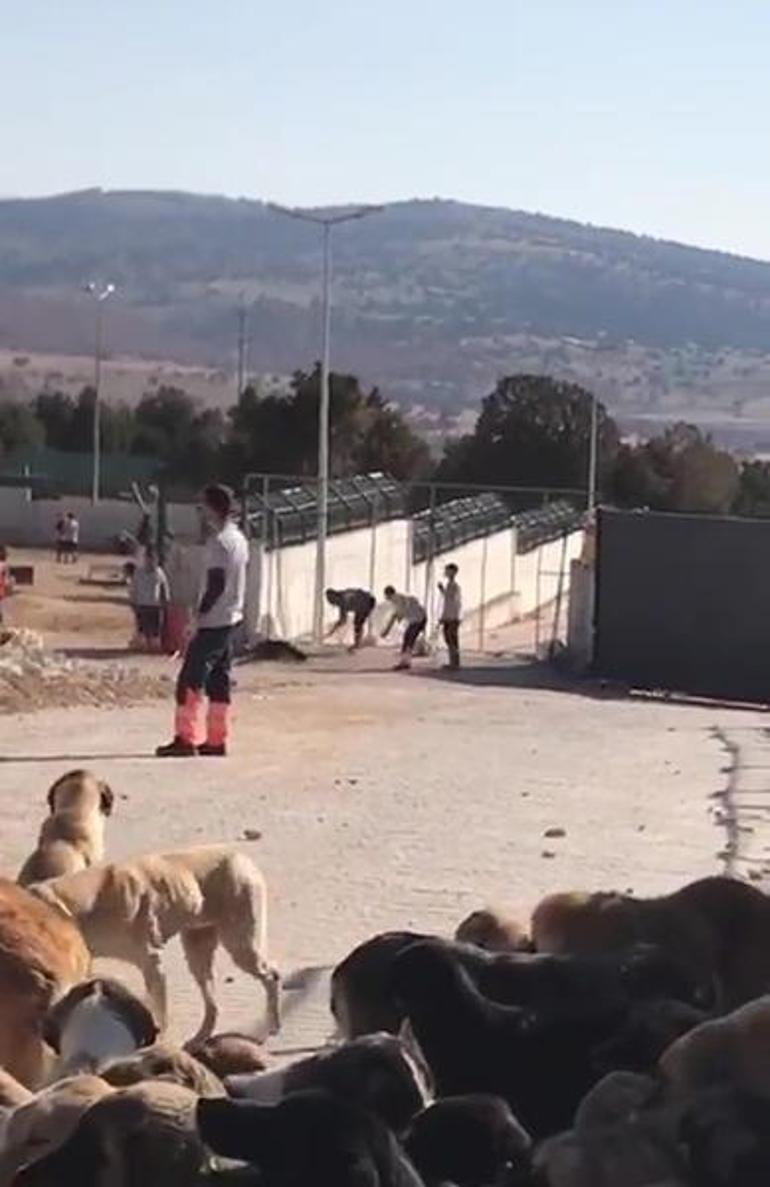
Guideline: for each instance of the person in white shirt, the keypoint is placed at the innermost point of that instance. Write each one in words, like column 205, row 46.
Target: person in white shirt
column 408, row 609
column 149, row 598
column 451, row 614
column 70, row 538
column 206, row 668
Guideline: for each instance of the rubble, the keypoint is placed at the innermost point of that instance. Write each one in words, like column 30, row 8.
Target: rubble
column 31, row 677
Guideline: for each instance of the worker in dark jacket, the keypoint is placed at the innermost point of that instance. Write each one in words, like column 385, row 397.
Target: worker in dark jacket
column 358, row 602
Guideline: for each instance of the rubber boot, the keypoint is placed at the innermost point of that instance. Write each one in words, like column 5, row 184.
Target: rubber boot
column 217, row 731
column 186, row 728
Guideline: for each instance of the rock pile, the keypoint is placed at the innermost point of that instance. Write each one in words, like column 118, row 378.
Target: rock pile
column 31, row 677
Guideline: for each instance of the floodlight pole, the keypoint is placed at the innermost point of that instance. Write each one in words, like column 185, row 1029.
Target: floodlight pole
column 100, row 293
column 327, row 222
column 593, row 453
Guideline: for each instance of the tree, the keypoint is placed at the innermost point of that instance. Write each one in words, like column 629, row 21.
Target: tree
column 169, row 425
column 279, row 433
column 679, row 470
column 753, row 497
column 532, row 431
column 19, row 427
column 55, row 412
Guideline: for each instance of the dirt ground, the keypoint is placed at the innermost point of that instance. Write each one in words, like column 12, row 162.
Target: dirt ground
column 384, row 800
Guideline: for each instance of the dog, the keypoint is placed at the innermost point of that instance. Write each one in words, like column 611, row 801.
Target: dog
column 717, row 928
column 95, row 1023
column 733, row 1050
column 72, row 836
column 207, row 896
column 310, row 1137
column 42, row 954
column 494, row 931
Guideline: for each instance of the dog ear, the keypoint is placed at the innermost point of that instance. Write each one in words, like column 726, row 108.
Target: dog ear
column 106, row 799
column 132, row 1010
column 56, row 1018
column 52, row 790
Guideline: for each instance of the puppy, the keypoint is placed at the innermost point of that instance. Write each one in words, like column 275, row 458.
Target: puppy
column 493, row 931
column 309, row 1137
column 733, row 1051
column 716, row 928
column 72, row 837
column 230, row 1055
column 96, row 1022
column 164, row 1061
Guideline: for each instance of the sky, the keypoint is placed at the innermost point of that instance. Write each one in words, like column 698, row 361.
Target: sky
column 650, row 115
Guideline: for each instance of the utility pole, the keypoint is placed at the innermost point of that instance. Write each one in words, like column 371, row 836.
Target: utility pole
column 327, row 222
column 593, row 453
column 242, row 348
column 100, row 293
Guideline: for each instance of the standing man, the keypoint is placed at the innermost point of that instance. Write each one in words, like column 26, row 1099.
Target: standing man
column 359, row 603
column 206, row 667
column 405, row 609
column 451, row 614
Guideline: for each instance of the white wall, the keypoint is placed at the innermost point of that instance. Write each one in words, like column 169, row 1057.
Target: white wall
column 487, row 577
column 282, row 580
column 499, row 585
column 544, row 572
column 29, row 523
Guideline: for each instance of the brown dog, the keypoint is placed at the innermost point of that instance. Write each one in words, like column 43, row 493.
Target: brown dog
column 493, row 931
column 207, row 896
column 72, row 836
column 733, row 1051
column 42, row 954
column 717, row 929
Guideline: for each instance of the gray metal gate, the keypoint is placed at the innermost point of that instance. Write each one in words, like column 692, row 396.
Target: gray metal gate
column 683, row 603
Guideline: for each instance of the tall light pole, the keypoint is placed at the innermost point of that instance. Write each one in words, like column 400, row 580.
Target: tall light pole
column 243, row 347
column 326, row 222
column 593, row 453
column 100, row 293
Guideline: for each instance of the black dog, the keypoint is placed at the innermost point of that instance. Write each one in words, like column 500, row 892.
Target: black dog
column 362, row 1000
column 471, row 1141
column 307, row 1138
column 541, row 1065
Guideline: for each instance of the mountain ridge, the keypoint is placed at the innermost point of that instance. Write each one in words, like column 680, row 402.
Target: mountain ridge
column 434, row 298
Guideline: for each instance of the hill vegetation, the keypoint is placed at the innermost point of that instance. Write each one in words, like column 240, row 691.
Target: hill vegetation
column 434, row 300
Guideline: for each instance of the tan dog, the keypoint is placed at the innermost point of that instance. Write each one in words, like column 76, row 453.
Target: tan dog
column 207, row 896
column 72, row 837
column 494, row 931
column 717, row 929
column 734, row 1050
column 42, row 954
column 46, row 1121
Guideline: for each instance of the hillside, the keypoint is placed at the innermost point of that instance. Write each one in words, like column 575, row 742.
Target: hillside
column 433, row 299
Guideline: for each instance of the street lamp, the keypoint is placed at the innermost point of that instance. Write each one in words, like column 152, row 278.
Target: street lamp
column 100, row 293
column 327, row 222
column 593, row 453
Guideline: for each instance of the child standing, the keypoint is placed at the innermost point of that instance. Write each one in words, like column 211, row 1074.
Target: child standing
column 451, row 614
column 149, row 598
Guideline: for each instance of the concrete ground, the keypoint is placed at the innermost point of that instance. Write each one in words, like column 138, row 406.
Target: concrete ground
column 387, row 800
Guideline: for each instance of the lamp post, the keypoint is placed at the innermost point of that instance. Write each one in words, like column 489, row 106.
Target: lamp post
column 593, row 453
column 100, row 293
column 327, row 222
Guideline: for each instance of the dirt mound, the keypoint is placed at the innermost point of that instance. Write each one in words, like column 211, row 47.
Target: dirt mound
column 32, row 677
